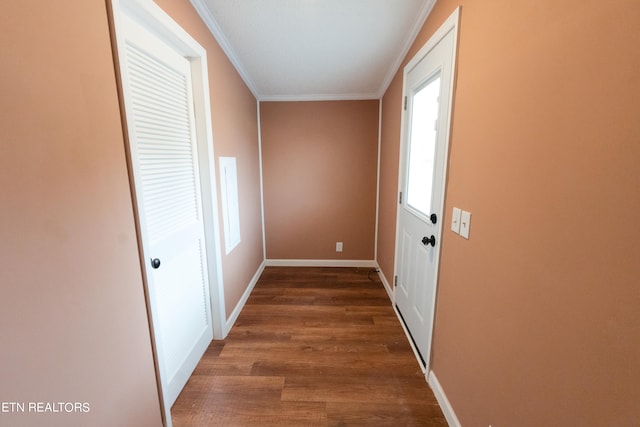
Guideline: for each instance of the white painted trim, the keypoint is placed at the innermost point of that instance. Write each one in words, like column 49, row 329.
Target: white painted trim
column 264, row 239
column 321, row 97
column 229, row 202
column 212, row 24
column 375, row 241
column 387, row 286
column 422, row 18
column 450, row 24
column 321, row 263
column 444, row 403
column 243, row 300
column 210, row 197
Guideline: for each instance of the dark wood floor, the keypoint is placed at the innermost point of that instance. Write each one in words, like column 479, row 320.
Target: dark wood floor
column 312, row 347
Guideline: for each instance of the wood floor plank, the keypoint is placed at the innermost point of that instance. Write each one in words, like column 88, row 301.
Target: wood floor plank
column 312, row 347
column 389, row 415
column 342, row 389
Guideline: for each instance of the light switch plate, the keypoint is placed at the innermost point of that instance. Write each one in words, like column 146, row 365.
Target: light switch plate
column 455, row 220
column 465, row 224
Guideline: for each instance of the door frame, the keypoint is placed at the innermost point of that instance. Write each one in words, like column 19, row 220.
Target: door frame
column 451, row 24
column 153, row 18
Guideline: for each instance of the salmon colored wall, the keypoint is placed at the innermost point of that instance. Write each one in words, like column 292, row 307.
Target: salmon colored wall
column 389, row 164
column 73, row 322
column 537, row 320
column 235, row 134
column 319, row 168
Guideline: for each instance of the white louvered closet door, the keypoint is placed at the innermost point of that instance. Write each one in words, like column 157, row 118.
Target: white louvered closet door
column 164, row 155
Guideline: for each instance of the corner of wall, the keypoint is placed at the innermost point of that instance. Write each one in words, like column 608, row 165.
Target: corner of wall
column 441, row 397
column 243, row 300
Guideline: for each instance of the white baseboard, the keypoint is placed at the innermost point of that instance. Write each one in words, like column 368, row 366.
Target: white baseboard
column 236, row 311
column 445, row 405
column 387, row 286
column 321, row 263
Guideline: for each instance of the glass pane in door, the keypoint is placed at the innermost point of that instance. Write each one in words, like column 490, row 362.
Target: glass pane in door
column 422, row 146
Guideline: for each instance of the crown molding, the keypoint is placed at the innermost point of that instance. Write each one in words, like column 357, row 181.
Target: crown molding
column 320, row 97
column 395, row 66
column 211, row 23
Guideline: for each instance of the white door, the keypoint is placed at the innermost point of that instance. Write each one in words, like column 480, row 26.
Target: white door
column 159, row 104
column 427, row 89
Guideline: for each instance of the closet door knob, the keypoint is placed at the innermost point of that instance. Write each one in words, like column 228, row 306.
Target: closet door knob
column 155, row 263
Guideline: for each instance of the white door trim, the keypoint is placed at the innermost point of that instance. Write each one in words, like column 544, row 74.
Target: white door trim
column 158, row 22
column 450, row 25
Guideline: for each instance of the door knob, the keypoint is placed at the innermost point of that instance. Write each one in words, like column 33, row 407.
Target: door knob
column 433, row 218
column 155, row 263
column 429, row 240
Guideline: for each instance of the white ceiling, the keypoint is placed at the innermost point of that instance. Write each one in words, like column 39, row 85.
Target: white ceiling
column 315, row 49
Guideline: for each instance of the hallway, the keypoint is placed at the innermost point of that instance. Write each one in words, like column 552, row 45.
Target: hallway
column 313, row 347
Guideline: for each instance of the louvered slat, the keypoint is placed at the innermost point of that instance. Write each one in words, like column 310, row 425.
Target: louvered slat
column 164, row 144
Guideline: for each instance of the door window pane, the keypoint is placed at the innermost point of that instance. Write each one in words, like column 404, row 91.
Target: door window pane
column 422, row 146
